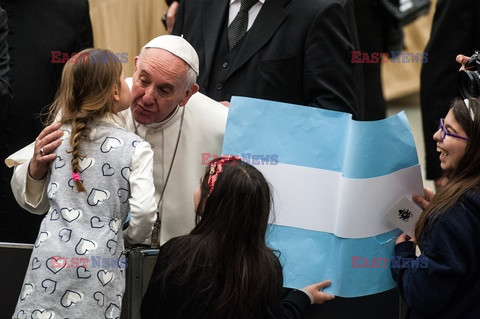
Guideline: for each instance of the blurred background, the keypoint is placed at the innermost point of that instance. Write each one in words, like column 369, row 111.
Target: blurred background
column 124, row 26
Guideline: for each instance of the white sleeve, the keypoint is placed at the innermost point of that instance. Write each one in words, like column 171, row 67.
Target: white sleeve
column 142, row 200
column 29, row 193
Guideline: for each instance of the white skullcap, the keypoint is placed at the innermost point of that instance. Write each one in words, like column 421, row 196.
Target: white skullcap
column 177, row 46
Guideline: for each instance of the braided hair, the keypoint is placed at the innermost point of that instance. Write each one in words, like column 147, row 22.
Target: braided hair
column 85, row 94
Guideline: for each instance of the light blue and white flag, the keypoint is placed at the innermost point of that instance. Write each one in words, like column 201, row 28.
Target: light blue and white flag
column 333, row 181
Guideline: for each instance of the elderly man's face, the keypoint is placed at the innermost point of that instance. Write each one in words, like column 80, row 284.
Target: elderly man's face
column 158, row 86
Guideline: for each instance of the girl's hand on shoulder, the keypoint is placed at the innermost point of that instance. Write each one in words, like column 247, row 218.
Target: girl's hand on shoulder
column 45, row 145
column 316, row 291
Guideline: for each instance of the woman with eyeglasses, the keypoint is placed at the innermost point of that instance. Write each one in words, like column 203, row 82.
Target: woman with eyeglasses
column 446, row 283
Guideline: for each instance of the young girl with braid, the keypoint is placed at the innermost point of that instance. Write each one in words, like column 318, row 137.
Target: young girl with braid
column 101, row 173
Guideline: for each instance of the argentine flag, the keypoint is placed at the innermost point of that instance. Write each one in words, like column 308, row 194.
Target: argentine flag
column 333, row 181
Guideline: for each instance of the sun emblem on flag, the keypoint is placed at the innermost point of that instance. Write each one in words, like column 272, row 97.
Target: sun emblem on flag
column 404, row 214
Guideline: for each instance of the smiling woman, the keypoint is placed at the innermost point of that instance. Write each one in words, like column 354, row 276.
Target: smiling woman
column 451, row 142
column 448, row 231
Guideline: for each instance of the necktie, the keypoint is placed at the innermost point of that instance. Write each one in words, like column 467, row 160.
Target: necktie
column 238, row 27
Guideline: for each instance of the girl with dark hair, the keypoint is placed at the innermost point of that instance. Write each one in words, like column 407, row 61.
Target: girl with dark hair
column 446, row 281
column 223, row 268
column 99, row 173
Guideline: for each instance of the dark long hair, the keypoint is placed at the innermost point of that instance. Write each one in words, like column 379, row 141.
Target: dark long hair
column 466, row 176
column 240, row 276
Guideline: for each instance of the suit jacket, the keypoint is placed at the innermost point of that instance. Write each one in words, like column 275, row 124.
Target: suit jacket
column 5, row 92
column 455, row 30
column 297, row 51
column 35, row 29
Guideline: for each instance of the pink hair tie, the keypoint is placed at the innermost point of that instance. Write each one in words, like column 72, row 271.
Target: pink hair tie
column 217, row 168
column 75, row 176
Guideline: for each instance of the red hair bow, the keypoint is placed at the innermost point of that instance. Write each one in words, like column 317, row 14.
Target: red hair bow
column 217, row 168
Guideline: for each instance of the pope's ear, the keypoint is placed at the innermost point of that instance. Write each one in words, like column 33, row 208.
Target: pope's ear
column 191, row 91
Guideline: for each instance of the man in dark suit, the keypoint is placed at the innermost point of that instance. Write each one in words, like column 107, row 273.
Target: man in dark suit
column 5, row 92
column 294, row 51
column 36, row 28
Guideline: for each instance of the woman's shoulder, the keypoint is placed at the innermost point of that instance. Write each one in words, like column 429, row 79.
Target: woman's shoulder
column 169, row 251
column 467, row 207
column 174, row 244
column 472, row 197
column 462, row 219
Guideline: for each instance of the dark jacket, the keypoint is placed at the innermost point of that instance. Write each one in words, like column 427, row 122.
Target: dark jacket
column 171, row 301
column 5, row 91
column 295, row 52
column 36, row 28
column 446, row 284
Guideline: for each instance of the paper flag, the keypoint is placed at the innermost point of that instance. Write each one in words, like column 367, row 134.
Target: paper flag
column 333, row 181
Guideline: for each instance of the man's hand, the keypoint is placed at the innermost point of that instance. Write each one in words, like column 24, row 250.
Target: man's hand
column 225, row 103
column 170, row 16
column 462, row 59
column 45, row 145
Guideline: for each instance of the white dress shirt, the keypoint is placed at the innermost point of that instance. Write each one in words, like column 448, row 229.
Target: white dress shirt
column 252, row 13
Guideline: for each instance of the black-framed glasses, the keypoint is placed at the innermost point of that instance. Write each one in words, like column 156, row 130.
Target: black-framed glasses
column 444, row 132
